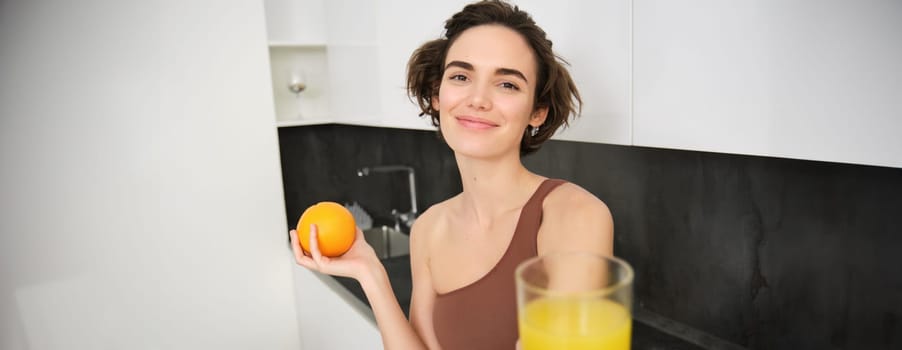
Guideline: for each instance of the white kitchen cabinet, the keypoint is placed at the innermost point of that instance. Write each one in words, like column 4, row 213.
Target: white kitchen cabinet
column 800, row 79
column 594, row 37
column 295, row 22
column 403, row 26
column 296, row 34
column 353, row 65
column 803, row 80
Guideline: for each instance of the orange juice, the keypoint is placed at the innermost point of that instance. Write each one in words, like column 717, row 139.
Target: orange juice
column 575, row 324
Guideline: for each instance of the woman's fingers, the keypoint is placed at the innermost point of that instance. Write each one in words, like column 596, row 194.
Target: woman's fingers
column 359, row 234
column 295, row 246
column 308, row 262
column 299, row 257
column 314, row 247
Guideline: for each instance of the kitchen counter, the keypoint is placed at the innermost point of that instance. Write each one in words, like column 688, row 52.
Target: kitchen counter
column 650, row 331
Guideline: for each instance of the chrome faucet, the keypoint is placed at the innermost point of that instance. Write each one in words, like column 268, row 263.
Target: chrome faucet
column 409, row 217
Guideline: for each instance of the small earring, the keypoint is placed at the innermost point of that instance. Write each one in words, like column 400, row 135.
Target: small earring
column 535, row 131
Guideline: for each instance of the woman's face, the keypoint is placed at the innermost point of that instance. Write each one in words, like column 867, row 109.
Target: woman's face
column 486, row 96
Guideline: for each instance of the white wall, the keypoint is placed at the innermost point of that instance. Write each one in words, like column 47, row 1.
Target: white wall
column 140, row 197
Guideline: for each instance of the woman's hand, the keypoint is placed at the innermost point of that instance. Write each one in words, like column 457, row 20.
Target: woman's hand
column 354, row 263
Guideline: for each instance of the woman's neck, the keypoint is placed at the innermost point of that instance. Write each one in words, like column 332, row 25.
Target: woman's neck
column 492, row 188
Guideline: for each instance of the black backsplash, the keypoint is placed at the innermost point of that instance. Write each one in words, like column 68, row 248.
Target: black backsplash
column 764, row 252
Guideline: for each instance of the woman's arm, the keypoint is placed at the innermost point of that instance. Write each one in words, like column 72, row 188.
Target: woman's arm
column 575, row 220
column 397, row 332
column 422, row 299
column 361, row 263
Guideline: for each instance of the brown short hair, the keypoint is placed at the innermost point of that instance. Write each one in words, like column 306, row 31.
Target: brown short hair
column 555, row 89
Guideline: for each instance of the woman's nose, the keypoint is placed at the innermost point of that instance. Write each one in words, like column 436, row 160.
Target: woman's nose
column 479, row 98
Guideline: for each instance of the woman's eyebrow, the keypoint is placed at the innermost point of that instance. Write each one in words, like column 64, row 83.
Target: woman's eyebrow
column 459, row 64
column 511, row 71
column 499, row 71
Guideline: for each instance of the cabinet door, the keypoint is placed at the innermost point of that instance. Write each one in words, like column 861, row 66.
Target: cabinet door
column 811, row 80
column 594, row 37
column 295, row 22
column 403, row 26
column 353, row 63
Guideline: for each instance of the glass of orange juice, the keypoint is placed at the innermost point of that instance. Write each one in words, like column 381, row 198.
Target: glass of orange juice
column 574, row 301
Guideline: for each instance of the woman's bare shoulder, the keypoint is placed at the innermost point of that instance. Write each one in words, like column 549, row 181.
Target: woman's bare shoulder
column 571, row 198
column 575, row 219
column 435, row 213
column 431, row 220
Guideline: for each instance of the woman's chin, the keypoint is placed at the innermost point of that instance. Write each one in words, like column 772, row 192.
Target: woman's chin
column 479, row 150
column 477, row 144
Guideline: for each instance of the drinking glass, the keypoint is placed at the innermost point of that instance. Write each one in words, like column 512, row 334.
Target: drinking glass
column 574, row 301
column 297, row 83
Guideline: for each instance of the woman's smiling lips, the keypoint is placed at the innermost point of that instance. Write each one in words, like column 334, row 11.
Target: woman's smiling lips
column 475, row 123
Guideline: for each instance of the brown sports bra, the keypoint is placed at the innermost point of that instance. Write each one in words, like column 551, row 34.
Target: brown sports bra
column 483, row 314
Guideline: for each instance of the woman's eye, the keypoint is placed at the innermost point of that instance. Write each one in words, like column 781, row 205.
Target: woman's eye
column 511, row 86
column 458, row 77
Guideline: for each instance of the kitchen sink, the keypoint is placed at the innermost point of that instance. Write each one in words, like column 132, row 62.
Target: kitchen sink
column 387, row 241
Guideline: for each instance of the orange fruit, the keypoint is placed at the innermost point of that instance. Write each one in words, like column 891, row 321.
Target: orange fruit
column 335, row 228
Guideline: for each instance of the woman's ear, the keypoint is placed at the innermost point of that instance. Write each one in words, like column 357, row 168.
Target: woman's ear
column 435, row 102
column 538, row 116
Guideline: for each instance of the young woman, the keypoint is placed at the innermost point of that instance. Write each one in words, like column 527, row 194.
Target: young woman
column 496, row 91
